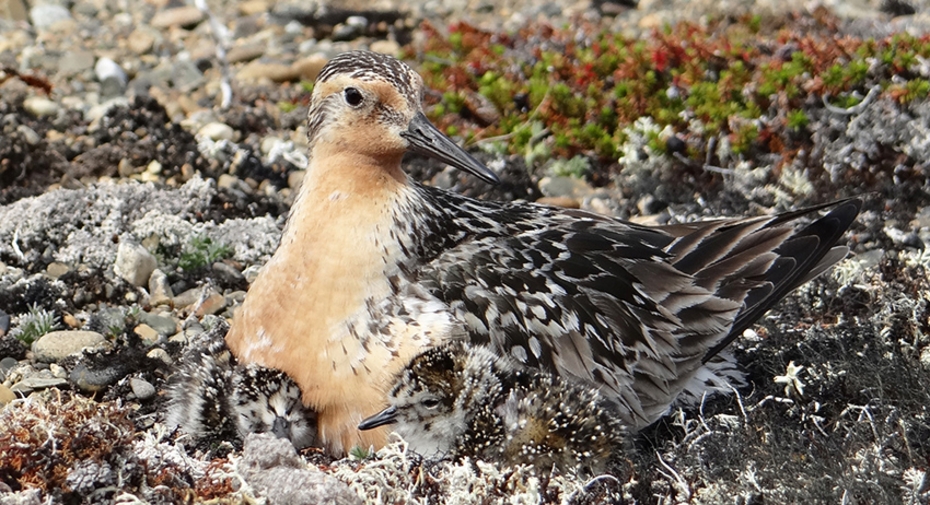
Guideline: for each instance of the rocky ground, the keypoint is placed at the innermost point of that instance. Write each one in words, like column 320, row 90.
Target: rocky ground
column 139, row 196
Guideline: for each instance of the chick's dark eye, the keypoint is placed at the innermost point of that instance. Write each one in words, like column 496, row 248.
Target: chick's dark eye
column 431, row 403
column 353, row 96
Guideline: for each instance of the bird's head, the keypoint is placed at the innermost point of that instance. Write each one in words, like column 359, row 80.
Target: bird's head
column 369, row 104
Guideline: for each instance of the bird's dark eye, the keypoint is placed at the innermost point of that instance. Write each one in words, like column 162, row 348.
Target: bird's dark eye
column 353, row 96
column 431, row 403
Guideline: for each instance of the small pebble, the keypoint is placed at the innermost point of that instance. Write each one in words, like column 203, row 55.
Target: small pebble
column 141, row 388
column 7, row 364
column 185, row 17
column 187, row 298
column 164, row 325
column 295, row 178
column 159, row 288
column 148, row 334
column 212, row 305
column 217, row 131
column 227, row 275
column 57, row 371
column 56, row 269
column 44, row 15
column 41, row 107
column 71, row 321
column 29, row 135
column 161, row 355
column 6, row 395
column 112, row 77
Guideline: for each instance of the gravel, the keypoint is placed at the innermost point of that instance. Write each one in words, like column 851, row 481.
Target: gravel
column 130, row 151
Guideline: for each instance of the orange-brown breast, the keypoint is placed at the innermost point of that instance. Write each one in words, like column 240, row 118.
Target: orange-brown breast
column 334, row 255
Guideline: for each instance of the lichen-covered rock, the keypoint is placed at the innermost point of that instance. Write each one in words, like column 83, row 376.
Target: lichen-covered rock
column 272, row 467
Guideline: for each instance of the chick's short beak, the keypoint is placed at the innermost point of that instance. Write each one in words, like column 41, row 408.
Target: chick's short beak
column 386, row 416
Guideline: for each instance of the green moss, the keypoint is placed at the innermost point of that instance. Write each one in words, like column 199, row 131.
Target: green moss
column 200, row 252
column 797, row 119
column 585, row 87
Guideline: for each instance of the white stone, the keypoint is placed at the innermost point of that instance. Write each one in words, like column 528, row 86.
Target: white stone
column 109, row 69
column 134, row 263
column 45, row 15
column 41, row 107
column 216, row 131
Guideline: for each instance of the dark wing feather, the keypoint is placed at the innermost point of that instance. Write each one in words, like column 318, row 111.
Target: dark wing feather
column 804, row 255
column 635, row 310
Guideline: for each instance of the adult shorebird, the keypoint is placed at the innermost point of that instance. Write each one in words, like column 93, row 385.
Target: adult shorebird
column 212, row 397
column 463, row 400
column 374, row 268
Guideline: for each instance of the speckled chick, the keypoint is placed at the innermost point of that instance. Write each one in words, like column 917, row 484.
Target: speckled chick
column 213, row 397
column 458, row 400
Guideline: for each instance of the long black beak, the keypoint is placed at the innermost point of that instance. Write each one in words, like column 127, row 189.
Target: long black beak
column 426, row 139
column 386, row 416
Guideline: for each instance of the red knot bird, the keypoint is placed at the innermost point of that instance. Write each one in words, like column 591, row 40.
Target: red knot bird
column 373, row 268
column 462, row 400
column 213, row 398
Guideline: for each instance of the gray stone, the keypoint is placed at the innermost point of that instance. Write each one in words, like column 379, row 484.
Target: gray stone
column 226, row 274
column 134, row 263
column 57, row 345
column 141, row 388
column 75, row 62
column 38, row 382
column 7, row 364
column 185, row 75
column 45, row 15
column 163, row 325
column 274, row 470
column 29, row 135
column 188, row 297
